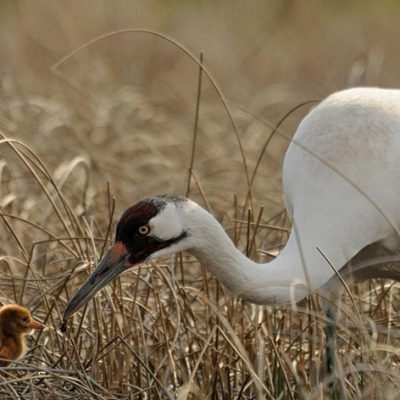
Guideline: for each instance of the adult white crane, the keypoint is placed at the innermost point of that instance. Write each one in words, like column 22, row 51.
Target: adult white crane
column 341, row 183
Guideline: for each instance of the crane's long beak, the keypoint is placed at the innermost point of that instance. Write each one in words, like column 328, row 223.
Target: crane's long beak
column 111, row 265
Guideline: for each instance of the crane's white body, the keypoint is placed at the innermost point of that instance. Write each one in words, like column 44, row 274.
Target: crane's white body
column 341, row 183
column 341, row 178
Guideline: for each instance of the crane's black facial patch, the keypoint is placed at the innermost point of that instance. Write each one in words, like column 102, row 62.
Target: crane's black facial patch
column 140, row 246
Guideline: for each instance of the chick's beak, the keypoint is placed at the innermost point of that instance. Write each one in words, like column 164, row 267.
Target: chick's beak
column 110, row 266
column 36, row 325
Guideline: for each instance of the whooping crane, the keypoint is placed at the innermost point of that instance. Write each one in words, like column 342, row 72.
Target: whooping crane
column 341, row 184
column 341, row 181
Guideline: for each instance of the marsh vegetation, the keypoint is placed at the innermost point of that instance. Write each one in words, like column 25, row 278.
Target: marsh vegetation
column 126, row 117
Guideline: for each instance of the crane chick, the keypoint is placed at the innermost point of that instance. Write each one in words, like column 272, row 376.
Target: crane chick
column 15, row 322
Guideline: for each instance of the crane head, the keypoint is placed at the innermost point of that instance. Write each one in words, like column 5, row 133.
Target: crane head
column 150, row 228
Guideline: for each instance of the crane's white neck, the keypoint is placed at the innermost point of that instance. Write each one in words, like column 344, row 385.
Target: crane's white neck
column 283, row 280
column 280, row 281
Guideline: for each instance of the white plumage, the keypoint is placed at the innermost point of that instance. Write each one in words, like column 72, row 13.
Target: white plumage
column 341, row 183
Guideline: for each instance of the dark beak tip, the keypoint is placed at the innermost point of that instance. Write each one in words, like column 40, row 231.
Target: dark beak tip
column 63, row 326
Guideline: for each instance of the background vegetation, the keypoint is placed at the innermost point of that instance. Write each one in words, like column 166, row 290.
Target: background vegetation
column 117, row 120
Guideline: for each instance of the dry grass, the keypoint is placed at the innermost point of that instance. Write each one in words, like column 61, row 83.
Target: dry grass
column 117, row 121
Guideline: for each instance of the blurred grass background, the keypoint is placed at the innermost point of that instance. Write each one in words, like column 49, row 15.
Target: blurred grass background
column 121, row 113
column 266, row 56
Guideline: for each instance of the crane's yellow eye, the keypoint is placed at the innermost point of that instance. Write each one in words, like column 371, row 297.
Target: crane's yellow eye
column 144, row 230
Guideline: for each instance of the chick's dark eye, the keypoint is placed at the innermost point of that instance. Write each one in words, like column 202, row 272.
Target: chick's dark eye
column 25, row 319
column 144, row 230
